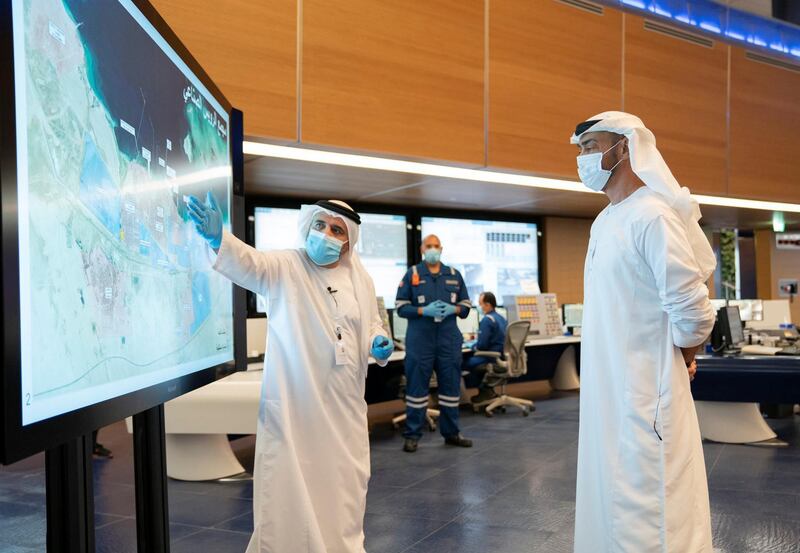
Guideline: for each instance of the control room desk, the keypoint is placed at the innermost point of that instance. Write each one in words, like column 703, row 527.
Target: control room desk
column 197, row 423
column 553, row 359
column 728, row 390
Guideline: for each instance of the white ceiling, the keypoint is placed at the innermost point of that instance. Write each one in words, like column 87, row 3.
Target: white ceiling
column 273, row 177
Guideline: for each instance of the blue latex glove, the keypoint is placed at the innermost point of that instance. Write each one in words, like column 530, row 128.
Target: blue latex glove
column 207, row 219
column 447, row 310
column 382, row 348
column 433, row 309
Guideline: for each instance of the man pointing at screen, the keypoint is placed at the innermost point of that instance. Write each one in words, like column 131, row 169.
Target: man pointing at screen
column 312, row 448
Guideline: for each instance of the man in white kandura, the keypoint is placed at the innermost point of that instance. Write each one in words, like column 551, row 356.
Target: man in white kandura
column 312, row 446
column 641, row 476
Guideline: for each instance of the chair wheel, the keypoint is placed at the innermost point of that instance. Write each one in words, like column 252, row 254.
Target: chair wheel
column 489, row 414
column 526, row 412
column 432, row 427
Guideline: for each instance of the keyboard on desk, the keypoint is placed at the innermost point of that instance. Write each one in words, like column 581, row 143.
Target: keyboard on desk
column 756, row 349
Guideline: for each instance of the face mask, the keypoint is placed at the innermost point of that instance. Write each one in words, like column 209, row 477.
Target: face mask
column 322, row 249
column 432, row 256
column 591, row 172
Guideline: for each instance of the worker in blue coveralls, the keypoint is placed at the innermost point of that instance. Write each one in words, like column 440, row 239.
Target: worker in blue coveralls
column 491, row 337
column 431, row 296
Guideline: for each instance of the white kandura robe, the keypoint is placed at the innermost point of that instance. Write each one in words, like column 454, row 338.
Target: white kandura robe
column 644, row 297
column 312, row 447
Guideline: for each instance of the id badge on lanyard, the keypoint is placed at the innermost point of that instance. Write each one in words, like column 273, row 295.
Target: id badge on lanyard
column 341, row 352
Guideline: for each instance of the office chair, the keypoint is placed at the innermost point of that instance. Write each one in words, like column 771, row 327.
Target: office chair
column 500, row 371
column 430, row 414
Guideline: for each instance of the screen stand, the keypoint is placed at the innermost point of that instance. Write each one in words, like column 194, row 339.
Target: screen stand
column 150, row 467
column 70, row 497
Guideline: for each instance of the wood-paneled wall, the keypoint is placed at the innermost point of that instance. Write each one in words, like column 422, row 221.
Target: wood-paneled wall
column 380, row 75
column 772, row 265
column 249, row 49
column 500, row 84
column 565, row 243
column 544, row 78
column 765, row 118
column 679, row 89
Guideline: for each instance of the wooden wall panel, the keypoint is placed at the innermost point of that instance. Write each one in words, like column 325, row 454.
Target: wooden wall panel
column 404, row 78
column 249, row 50
column 565, row 243
column 679, row 89
column 765, row 118
column 550, row 67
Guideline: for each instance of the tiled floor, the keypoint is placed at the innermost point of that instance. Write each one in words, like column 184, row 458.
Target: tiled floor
column 513, row 492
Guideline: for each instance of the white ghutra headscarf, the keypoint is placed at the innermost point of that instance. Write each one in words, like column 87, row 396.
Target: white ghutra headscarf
column 648, row 164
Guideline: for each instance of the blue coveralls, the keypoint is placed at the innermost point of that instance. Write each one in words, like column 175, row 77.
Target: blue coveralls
column 491, row 337
column 430, row 344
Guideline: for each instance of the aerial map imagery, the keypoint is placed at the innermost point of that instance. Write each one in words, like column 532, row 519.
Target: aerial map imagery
column 114, row 131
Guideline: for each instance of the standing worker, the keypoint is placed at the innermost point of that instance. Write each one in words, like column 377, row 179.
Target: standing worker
column 312, row 447
column 491, row 337
column 431, row 296
column 641, row 484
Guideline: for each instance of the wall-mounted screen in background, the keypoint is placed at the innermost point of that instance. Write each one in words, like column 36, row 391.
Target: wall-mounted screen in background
column 113, row 130
column 496, row 256
column 382, row 245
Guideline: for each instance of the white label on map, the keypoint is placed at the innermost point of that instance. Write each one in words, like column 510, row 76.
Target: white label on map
column 169, row 144
column 127, row 127
column 170, row 172
column 57, row 33
column 146, row 153
column 130, row 208
column 159, row 211
column 161, row 162
column 160, row 227
column 108, row 292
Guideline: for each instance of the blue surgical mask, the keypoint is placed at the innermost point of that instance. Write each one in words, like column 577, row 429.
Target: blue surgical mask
column 432, row 256
column 591, row 172
column 322, row 249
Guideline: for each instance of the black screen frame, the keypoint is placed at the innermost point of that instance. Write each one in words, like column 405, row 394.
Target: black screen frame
column 18, row 441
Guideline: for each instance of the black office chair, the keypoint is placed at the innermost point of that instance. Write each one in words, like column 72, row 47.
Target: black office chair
column 500, row 371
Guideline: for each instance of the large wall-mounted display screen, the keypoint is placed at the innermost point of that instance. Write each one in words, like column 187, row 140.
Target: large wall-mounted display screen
column 113, row 131
column 382, row 245
column 495, row 256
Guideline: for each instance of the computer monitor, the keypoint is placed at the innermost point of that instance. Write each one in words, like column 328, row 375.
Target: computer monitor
column 469, row 325
column 573, row 314
column 728, row 331
column 501, row 256
column 399, row 327
column 734, row 321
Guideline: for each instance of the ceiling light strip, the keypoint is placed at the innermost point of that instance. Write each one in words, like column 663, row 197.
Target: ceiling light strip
column 478, row 175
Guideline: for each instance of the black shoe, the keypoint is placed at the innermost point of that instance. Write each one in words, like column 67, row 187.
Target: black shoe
column 410, row 445
column 484, row 394
column 458, row 440
column 101, row 451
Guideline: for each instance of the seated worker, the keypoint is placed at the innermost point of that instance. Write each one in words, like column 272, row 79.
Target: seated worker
column 491, row 337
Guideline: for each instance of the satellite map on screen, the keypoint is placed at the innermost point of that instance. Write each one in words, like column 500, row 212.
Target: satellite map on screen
column 114, row 131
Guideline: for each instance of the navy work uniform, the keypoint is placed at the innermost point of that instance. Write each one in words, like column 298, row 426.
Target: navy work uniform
column 491, row 337
column 430, row 344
